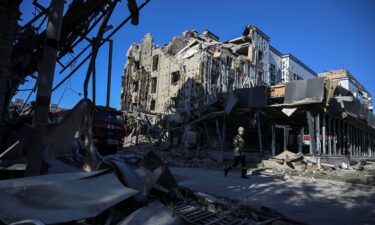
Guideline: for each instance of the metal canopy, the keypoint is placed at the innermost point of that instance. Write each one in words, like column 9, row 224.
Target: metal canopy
column 60, row 198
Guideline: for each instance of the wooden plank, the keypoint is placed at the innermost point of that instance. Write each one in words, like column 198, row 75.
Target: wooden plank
column 276, row 91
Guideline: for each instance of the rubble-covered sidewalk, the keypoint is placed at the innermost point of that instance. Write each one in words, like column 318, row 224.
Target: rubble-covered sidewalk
column 313, row 201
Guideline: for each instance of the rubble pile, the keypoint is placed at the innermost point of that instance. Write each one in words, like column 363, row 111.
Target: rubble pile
column 124, row 189
column 288, row 164
column 178, row 157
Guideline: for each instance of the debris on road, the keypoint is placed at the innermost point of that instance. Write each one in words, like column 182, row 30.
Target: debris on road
column 297, row 164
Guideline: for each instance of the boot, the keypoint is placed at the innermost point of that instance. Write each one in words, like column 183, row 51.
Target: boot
column 243, row 174
column 226, row 171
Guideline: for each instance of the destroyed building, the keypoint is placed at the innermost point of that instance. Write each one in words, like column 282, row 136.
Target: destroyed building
column 205, row 88
column 193, row 69
column 52, row 173
column 346, row 80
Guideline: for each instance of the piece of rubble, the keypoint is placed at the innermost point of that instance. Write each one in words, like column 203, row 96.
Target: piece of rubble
column 287, row 157
column 133, row 176
column 155, row 213
column 60, row 198
column 345, row 166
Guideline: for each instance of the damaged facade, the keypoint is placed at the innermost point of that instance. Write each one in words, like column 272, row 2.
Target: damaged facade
column 346, row 80
column 204, row 89
column 192, row 70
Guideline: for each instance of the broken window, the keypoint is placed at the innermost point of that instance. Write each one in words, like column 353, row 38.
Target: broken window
column 272, row 74
column 152, row 104
column 297, row 77
column 174, row 102
column 136, row 65
column 229, row 61
column 153, row 84
column 272, row 68
column 175, row 77
column 135, row 86
column 360, row 95
column 260, row 77
column 260, row 55
column 278, row 79
column 155, row 62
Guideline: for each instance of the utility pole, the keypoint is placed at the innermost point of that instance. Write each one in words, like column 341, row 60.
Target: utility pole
column 48, row 62
column 93, row 81
column 109, row 72
column 45, row 82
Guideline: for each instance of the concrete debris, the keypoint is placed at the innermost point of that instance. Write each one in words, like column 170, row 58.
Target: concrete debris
column 154, row 213
column 178, row 157
column 345, row 166
column 288, row 164
column 287, row 156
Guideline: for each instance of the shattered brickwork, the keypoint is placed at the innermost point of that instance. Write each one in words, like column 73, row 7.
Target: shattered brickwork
column 193, row 69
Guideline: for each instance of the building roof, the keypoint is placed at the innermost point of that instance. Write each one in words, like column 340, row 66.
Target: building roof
column 289, row 55
column 343, row 73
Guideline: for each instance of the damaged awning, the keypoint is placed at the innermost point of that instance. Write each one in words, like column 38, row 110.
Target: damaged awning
column 60, row 198
column 304, row 91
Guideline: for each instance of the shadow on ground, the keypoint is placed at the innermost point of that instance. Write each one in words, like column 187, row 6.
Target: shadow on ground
column 303, row 199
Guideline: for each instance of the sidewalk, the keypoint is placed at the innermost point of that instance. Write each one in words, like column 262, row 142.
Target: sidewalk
column 302, row 199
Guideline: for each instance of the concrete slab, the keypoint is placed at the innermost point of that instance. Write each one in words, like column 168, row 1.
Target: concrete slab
column 302, row 199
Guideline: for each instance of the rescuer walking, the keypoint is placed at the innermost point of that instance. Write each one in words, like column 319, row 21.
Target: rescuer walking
column 239, row 155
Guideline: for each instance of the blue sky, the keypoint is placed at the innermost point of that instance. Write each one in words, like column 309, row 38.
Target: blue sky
column 324, row 34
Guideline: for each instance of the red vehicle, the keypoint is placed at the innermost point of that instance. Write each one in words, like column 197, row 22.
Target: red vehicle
column 107, row 128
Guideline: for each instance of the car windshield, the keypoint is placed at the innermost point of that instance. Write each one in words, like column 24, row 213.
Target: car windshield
column 109, row 117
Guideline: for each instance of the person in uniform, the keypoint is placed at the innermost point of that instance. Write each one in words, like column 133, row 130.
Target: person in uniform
column 239, row 155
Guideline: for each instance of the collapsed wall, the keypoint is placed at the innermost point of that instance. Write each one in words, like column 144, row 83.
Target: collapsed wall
column 197, row 91
column 192, row 70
